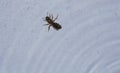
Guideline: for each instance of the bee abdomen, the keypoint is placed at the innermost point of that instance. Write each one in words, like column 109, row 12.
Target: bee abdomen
column 57, row 26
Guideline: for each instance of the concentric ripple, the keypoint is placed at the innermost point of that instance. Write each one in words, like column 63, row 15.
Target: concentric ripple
column 89, row 41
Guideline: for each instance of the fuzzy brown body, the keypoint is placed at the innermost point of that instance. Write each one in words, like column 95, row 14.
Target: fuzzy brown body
column 56, row 26
column 51, row 22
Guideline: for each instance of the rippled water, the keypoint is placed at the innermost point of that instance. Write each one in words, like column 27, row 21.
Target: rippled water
column 89, row 41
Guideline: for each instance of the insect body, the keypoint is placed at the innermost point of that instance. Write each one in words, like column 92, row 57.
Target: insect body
column 51, row 22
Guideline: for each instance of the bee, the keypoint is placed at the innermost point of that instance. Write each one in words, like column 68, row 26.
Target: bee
column 51, row 22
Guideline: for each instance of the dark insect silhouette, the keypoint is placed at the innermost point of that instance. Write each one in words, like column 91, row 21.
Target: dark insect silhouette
column 51, row 22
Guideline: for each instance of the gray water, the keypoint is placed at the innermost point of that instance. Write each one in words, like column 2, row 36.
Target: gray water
column 89, row 41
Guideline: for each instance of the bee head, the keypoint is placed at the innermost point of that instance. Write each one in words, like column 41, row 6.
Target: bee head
column 47, row 18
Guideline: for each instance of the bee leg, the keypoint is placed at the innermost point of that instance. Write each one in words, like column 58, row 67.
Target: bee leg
column 56, row 18
column 49, row 27
column 46, row 24
column 52, row 16
column 49, row 15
